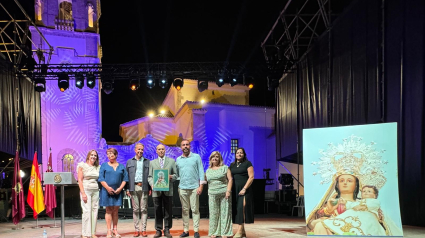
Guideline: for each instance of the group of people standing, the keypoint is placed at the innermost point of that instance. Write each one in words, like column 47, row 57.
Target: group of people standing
column 229, row 191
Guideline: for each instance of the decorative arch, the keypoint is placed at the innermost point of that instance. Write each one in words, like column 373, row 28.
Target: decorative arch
column 65, row 10
column 67, row 160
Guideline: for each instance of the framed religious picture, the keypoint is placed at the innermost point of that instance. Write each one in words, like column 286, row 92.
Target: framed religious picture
column 351, row 182
column 160, row 180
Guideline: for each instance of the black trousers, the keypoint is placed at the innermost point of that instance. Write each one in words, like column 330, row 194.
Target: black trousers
column 163, row 206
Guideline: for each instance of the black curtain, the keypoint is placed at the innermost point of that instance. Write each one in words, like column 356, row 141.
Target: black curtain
column 368, row 68
column 19, row 106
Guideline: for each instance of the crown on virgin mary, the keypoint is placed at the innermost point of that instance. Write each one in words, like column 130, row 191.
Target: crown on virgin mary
column 352, row 157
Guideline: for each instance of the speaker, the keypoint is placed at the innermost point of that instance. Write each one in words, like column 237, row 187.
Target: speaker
column 287, row 195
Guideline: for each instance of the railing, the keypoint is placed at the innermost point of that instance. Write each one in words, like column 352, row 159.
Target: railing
column 65, row 25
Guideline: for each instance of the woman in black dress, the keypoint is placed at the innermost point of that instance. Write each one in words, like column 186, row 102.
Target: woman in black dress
column 243, row 201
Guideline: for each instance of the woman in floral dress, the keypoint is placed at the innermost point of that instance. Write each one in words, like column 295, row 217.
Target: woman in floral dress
column 220, row 203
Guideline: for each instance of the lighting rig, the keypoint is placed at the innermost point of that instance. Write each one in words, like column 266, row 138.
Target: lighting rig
column 150, row 75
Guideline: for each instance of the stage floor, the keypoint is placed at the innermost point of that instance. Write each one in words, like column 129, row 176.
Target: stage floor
column 271, row 225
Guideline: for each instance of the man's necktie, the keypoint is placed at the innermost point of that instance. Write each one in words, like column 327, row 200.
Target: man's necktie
column 161, row 163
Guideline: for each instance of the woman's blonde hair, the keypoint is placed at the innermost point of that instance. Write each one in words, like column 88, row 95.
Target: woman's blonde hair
column 220, row 158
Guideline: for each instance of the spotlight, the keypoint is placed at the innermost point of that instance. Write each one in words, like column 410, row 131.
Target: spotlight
column 79, row 81
column 134, row 84
column 21, row 173
column 250, row 85
column 63, row 82
column 40, row 84
column 233, row 81
column 202, row 101
column 163, row 81
column 107, row 86
column 202, row 85
column 91, row 81
column 220, row 79
column 150, row 81
column 162, row 112
column 178, row 83
column 150, row 114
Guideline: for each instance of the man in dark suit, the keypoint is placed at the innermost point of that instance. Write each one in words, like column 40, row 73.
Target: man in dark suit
column 138, row 188
column 163, row 200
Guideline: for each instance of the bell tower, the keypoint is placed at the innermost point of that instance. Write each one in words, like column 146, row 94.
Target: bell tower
column 71, row 120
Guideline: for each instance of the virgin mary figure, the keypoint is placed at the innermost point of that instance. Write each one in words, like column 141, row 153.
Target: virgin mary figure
column 354, row 169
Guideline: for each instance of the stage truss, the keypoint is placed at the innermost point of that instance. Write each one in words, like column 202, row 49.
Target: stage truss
column 297, row 27
column 15, row 40
column 209, row 71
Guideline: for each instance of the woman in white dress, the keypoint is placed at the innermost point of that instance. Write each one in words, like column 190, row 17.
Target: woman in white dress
column 88, row 173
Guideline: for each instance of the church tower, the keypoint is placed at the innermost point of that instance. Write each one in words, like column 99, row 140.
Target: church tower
column 71, row 120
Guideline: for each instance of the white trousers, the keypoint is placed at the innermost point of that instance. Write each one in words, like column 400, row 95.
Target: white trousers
column 139, row 201
column 90, row 209
column 190, row 200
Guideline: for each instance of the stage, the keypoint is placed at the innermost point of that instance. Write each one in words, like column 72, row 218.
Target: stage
column 269, row 225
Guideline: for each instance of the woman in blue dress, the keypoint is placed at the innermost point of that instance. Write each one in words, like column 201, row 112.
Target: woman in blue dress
column 113, row 177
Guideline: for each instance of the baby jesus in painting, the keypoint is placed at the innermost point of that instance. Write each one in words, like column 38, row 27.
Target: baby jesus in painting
column 360, row 217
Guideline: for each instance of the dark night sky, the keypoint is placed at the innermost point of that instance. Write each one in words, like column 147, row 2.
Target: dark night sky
column 179, row 31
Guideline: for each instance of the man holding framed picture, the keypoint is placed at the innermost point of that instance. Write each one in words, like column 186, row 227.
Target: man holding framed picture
column 162, row 174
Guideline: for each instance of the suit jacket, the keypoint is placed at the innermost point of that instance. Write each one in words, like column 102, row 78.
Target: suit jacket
column 169, row 164
column 131, row 167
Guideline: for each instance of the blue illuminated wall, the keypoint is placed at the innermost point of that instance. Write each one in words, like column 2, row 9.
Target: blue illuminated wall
column 71, row 122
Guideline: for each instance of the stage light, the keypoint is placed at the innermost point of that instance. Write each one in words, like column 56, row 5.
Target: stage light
column 91, row 81
column 163, row 81
column 79, row 81
column 233, row 81
column 178, row 83
column 21, row 173
column 220, row 79
column 134, row 84
column 150, row 81
column 202, row 101
column 40, row 84
column 107, row 86
column 151, row 114
column 202, row 85
column 63, row 82
column 250, row 85
column 162, row 111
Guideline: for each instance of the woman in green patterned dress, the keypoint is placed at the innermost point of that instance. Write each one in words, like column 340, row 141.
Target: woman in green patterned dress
column 220, row 203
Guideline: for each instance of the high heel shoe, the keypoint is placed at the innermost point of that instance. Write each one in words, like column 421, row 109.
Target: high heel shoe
column 238, row 235
column 109, row 236
column 115, row 233
column 243, row 232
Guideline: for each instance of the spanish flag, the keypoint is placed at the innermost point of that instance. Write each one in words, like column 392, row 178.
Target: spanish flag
column 35, row 192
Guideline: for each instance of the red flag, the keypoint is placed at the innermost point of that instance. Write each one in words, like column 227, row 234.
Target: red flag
column 49, row 163
column 18, row 201
column 35, row 196
column 49, row 192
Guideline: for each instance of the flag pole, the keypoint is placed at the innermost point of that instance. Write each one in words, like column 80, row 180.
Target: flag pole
column 17, row 227
column 36, row 224
column 49, row 169
column 54, row 218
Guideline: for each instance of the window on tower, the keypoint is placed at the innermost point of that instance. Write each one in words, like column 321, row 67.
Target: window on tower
column 65, row 10
column 234, row 144
column 90, row 14
column 38, row 10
